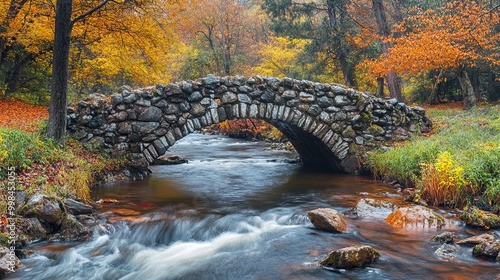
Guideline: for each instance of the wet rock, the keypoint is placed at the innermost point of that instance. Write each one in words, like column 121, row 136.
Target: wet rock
column 446, row 251
column 445, row 237
column 77, row 208
column 44, row 208
column 350, row 257
column 487, row 250
column 415, row 216
column 474, row 217
column 327, row 219
column 170, row 159
column 72, row 229
column 8, row 261
column 478, row 239
column 29, row 229
column 373, row 208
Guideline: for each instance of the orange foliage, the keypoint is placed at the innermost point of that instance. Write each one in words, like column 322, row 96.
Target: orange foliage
column 458, row 35
column 16, row 114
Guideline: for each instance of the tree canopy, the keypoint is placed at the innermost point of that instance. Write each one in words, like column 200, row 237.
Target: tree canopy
column 434, row 49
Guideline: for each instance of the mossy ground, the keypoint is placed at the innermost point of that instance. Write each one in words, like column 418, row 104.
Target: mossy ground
column 35, row 164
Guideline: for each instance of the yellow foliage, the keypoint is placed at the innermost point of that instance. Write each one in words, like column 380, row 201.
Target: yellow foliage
column 279, row 57
column 443, row 183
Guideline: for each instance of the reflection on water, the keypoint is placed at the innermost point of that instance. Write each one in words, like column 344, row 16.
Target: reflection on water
column 237, row 211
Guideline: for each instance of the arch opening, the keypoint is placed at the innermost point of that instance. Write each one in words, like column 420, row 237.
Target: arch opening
column 313, row 152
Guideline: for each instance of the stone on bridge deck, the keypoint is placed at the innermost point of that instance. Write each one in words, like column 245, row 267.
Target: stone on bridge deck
column 331, row 126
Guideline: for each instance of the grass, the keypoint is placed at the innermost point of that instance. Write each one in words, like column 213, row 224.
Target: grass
column 42, row 166
column 460, row 162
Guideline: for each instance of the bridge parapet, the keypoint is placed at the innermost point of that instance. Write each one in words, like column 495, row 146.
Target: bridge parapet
column 328, row 124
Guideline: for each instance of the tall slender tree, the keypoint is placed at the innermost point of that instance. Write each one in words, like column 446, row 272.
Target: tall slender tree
column 384, row 32
column 59, row 84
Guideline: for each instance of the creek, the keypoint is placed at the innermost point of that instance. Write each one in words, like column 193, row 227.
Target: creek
column 238, row 210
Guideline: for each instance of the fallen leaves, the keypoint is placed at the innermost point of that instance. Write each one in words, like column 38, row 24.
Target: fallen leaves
column 16, row 114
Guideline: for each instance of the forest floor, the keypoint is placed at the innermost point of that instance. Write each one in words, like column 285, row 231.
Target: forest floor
column 15, row 114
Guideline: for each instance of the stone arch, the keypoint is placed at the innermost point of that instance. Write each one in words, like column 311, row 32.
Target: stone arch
column 328, row 124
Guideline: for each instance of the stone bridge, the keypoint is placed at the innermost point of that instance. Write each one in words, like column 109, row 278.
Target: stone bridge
column 331, row 126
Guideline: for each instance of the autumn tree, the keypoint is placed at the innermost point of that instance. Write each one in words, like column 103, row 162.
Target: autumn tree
column 384, row 32
column 223, row 29
column 138, row 44
column 456, row 37
column 280, row 57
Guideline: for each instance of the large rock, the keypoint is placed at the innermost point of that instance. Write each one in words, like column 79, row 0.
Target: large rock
column 487, row 250
column 28, row 229
column 170, row 159
column 415, row 216
column 77, row 208
column 350, row 257
column 373, row 208
column 478, row 239
column 151, row 114
column 44, row 208
column 478, row 218
column 445, row 237
column 8, row 261
column 327, row 219
column 72, row 229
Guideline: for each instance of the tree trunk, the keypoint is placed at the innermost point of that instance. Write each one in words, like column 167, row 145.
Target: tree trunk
column 383, row 30
column 335, row 20
column 433, row 97
column 474, row 78
column 467, row 90
column 380, row 87
column 59, row 84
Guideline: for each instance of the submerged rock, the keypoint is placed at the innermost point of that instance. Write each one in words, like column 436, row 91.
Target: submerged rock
column 373, row 208
column 350, row 257
column 415, row 216
column 478, row 239
column 487, row 250
column 168, row 160
column 445, row 237
column 327, row 219
column 474, row 217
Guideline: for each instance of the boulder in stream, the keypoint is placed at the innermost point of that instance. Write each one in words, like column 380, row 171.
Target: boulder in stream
column 472, row 216
column 445, row 237
column 350, row 257
column 327, row 219
column 487, row 250
column 446, row 251
column 170, row 159
column 415, row 216
column 373, row 208
column 478, row 239
column 77, row 208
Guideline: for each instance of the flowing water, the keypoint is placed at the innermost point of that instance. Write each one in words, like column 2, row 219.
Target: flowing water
column 239, row 211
